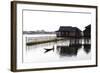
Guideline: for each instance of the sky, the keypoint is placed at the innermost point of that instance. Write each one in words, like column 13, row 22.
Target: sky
column 51, row 21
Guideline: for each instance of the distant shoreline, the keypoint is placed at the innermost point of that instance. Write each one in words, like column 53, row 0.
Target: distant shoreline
column 32, row 32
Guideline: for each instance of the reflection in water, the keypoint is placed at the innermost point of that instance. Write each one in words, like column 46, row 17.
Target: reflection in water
column 74, row 46
column 44, row 45
column 69, row 48
column 87, row 48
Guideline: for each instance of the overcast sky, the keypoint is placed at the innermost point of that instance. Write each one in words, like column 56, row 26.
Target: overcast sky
column 51, row 21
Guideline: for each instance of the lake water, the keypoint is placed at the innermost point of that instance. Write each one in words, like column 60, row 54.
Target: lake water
column 63, row 50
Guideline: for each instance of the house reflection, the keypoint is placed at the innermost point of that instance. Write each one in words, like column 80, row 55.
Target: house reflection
column 67, row 47
column 74, row 46
column 68, row 50
column 87, row 48
column 87, row 45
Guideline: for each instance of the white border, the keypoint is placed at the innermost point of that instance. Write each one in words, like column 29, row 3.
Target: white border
column 21, row 65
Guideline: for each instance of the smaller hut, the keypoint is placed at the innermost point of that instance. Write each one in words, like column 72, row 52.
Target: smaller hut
column 87, row 32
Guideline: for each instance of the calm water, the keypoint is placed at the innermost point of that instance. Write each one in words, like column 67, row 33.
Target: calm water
column 63, row 50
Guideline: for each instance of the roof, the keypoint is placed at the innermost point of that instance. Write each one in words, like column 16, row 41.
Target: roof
column 88, row 27
column 68, row 28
